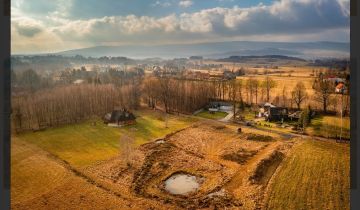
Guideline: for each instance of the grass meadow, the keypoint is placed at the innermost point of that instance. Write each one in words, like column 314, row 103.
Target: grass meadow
column 314, row 176
column 214, row 116
column 329, row 126
column 84, row 144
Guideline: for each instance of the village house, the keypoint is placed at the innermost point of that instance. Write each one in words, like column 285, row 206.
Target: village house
column 340, row 88
column 277, row 114
column 120, row 117
column 273, row 113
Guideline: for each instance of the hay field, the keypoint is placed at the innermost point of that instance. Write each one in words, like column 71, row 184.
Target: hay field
column 314, row 176
column 79, row 167
column 284, row 82
column 40, row 182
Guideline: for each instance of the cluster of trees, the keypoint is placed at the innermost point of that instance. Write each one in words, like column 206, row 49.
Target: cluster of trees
column 69, row 104
column 57, row 62
column 177, row 95
column 249, row 91
column 115, row 76
column 29, row 80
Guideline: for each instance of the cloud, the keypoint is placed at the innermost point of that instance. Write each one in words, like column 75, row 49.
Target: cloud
column 185, row 3
column 162, row 4
column 296, row 20
column 28, row 31
column 27, row 27
column 289, row 17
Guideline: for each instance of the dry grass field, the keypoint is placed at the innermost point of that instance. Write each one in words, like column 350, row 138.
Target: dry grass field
column 329, row 127
column 41, row 182
column 314, row 176
column 84, row 144
column 285, row 82
column 80, row 167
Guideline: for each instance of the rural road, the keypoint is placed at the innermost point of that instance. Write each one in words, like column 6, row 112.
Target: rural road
column 228, row 117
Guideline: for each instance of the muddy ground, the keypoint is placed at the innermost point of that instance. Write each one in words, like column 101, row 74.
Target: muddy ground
column 234, row 169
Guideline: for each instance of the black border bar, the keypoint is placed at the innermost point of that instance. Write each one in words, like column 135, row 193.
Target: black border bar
column 354, row 92
column 5, row 104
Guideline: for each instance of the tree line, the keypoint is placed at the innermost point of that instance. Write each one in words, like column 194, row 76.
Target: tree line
column 71, row 103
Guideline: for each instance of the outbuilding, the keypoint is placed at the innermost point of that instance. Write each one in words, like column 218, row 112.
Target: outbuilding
column 120, row 117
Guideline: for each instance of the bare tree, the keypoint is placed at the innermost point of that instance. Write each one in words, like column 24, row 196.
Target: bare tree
column 256, row 85
column 284, row 98
column 323, row 89
column 233, row 94
column 298, row 94
column 267, row 85
column 164, row 91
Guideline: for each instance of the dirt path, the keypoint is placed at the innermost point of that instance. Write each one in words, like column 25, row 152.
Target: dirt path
column 236, row 184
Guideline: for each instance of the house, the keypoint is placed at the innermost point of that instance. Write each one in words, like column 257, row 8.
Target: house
column 277, row 114
column 267, row 106
column 263, row 111
column 340, row 88
column 120, row 117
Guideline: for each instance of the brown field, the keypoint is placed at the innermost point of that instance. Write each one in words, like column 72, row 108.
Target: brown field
column 235, row 169
column 314, row 176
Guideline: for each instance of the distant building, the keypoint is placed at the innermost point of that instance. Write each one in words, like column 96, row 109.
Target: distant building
column 120, row 117
column 340, row 88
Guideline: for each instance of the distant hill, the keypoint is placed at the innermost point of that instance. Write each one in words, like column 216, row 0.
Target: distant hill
column 307, row 50
column 265, row 57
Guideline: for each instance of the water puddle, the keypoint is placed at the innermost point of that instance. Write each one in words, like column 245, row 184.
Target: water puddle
column 161, row 141
column 182, row 184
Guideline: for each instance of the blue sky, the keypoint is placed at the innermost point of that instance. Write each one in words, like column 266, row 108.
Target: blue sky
column 50, row 26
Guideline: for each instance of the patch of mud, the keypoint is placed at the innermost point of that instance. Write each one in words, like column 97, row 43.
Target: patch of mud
column 241, row 156
column 258, row 137
column 266, row 168
column 159, row 165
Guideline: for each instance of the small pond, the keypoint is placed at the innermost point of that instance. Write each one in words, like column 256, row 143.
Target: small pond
column 182, row 184
column 161, row 141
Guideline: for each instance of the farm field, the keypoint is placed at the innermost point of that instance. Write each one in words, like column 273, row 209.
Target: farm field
column 314, row 176
column 40, row 182
column 285, row 82
column 233, row 168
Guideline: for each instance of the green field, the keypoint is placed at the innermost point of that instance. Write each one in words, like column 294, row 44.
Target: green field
column 214, row 116
column 329, row 126
column 84, row 144
column 314, row 176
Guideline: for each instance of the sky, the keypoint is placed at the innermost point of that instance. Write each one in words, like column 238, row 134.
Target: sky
column 43, row 26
